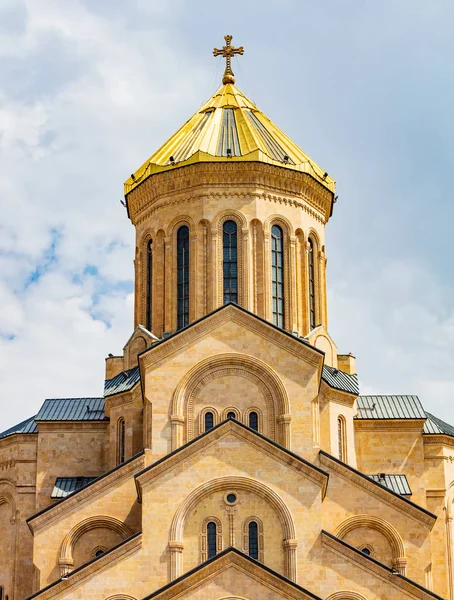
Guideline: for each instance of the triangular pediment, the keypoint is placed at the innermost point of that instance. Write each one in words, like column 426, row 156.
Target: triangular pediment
column 232, row 575
column 231, row 435
column 247, row 322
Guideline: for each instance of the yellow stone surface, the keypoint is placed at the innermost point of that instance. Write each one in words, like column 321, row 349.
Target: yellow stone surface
column 141, row 527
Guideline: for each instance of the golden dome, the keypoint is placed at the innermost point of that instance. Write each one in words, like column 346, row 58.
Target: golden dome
column 229, row 127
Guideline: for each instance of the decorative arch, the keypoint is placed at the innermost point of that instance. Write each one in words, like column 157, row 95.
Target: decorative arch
column 176, row 544
column 121, row 597
column 66, row 561
column 346, row 596
column 399, row 560
column 236, row 364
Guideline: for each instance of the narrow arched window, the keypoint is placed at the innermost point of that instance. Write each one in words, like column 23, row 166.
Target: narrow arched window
column 311, row 260
column 341, row 438
column 209, row 421
column 121, row 434
column 230, row 261
column 277, row 275
column 254, row 421
column 149, row 286
column 253, row 540
column 211, row 539
column 183, row 277
column 1, row 592
column 231, row 415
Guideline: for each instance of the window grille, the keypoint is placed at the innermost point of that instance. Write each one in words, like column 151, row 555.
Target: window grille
column 182, row 277
column 230, row 261
column 277, row 275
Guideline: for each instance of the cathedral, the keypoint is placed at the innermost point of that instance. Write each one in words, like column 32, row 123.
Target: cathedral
column 231, row 456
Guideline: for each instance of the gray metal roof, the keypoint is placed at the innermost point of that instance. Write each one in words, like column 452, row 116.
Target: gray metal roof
column 389, row 407
column 123, row 382
column 27, row 426
column 395, row 483
column 72, row 409
column 341, row 380
column 435, row 425
column 64, row 486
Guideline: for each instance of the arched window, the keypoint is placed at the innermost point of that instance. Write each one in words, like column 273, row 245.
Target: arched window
column 311, row 285
column 230, row 261
column 231, row 415
column 254, row 421
column 121, row 433
column 277, row 275
column 183, row 277
column 211, row 539
column 209, row 421
column 341, row 439
column 148, row 323
column 1, row 592
column 253, row 540
column 366, row 551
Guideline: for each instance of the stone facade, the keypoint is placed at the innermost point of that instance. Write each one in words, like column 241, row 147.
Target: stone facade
column 231, row 459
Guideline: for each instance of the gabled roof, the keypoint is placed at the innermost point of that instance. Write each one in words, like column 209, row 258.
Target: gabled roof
column 27, row 426
column 386, row 494
column 231, row 555
column 389, row 407
column 340, row 380
column 72, row 409
column 229, row 127
column 280, row 453
column 434, row 425
column 123, row 382
column 64, row 486
column 415, row 590
column 396, row 483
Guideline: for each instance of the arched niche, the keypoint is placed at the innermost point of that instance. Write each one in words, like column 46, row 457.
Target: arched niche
column 116, row 531
column 359, row 523
column 224, row 366
column 238, row 484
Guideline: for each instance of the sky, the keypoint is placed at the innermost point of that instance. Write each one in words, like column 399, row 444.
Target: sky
column 90, row 88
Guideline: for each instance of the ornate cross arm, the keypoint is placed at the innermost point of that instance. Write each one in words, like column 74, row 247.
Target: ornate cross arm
column 228, row 52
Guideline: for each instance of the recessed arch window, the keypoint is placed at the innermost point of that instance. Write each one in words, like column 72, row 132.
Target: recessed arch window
column 211, row 539
column 1, row 592
column 231, row 415
column 230, row 261
column 366, row 551
column 183, row 276
column 254, row 420
column 254, row 540
column 311, row 265
column 121, row 438
column 341, row 439
column 277, row 275
column 209, row 420
column 148, row 320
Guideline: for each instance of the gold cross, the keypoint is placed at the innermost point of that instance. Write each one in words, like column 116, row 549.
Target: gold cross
column 228, row 52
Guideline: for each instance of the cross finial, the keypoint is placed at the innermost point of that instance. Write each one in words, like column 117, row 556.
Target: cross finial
column 228, row 51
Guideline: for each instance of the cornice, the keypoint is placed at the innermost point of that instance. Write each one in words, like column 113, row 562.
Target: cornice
column 191, row 180
column 229, row 314
column 68, row 426
column 88, row 493
column 438, row 439
column 124, row 398
column 417, row 513
column 19, row 438
column 371, row 565
column 91, row 569
column 394, row 425
column 335, row 395
column 150, row 474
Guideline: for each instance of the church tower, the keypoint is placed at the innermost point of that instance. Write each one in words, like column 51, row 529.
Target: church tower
column 231, row 456
column 229, row 209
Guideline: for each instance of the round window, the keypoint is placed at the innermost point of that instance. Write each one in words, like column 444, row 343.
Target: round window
column 231, row 498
